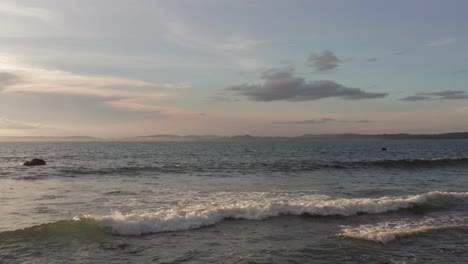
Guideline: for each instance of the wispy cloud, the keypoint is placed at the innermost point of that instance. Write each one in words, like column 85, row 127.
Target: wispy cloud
column 122, row 93
column 235, row 48
column 443, row 95
column 416, row 98
column 41, row 81
column 364, row 121
column 142, row 105
column 310, row 121
column 184, row 36
column 282, row 85
column 6, row 78
column 401, row 52
column 14, row 8
column 448, row 94
column 10, row 124
column 441, row 42
column 225, row 99
column 323, row 121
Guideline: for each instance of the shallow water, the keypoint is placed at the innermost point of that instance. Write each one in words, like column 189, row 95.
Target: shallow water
column 235, row 202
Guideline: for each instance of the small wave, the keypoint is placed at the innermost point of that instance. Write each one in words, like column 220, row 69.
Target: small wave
column 114, row 193
column 416, row 163
column 121, row 170
column 48, row 197
column 276, row 166
column 29, row 178
column 200, row 215
column 389, row 231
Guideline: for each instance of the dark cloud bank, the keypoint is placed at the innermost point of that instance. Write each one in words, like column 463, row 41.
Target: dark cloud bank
column 282, row 85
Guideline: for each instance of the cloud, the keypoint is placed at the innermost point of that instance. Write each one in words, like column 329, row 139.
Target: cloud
column 6, row 78
column 323, row 121
column 34, row 81
column 416, row 98
column 364, row 121
column 122, row 93
column 323, row 62
column 16, row 77
column 237, row 43
column 42, row 81
column 225, row 99
column 13, row 8
column 140, row 105
column 449, row 95
column 10, row 124
column 282, row 85
column 311, row 121
column 179, row 33
column 371, row 59
column 401, row 52
column 236, row 49
column 441, row 42
column 460, row 71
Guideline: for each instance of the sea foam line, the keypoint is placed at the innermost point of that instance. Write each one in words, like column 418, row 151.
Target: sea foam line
column 388, row 231
column 205, row 214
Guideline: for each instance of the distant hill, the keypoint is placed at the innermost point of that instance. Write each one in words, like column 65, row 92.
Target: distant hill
column 49, row 139
column 454, row 135
column 350, row 136
column 168, row 137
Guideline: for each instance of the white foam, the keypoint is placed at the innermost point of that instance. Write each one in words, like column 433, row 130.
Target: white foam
column 213, row 208
column 388, row 231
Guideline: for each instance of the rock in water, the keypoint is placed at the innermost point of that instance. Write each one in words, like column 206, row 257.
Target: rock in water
column 34, row 162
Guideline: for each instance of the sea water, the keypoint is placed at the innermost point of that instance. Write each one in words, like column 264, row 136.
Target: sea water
column 235, row 202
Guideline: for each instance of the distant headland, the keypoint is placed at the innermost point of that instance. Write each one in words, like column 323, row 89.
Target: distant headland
column 305, row 137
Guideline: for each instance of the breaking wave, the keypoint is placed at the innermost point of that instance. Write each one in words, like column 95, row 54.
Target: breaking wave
column 250, row 206
column 257, row 207
column 200, row 215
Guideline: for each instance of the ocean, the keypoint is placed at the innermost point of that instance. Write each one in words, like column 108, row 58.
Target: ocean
column 235, row 202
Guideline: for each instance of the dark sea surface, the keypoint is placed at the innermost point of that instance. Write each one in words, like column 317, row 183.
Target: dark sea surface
column 235, row 202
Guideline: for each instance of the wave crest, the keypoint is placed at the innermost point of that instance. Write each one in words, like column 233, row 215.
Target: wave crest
column 200, row 215
column 249, row 206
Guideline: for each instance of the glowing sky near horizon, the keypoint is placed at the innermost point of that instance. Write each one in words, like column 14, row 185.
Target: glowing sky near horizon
column 117, row 68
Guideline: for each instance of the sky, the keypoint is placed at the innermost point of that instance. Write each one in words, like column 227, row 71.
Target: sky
column 120, row 68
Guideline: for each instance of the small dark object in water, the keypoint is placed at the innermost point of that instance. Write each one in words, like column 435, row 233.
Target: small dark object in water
column 383, row 149
column 34, row 162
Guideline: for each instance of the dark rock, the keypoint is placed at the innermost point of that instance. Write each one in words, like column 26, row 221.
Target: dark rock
column 34, row 162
